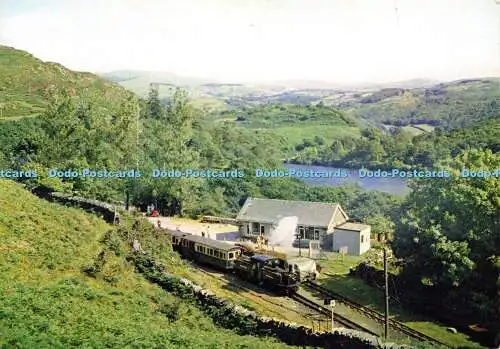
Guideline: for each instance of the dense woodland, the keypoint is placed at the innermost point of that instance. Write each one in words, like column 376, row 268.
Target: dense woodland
column 378, row 149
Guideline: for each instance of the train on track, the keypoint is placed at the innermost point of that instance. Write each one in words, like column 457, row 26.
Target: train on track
column 264, row 270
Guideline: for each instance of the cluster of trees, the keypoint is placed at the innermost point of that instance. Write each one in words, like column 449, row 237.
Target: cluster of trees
column 377, row 149
column 448, row 238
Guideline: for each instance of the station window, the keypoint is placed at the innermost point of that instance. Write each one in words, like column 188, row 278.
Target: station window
column 231, row 255
column 224, row 255
column 362, row 238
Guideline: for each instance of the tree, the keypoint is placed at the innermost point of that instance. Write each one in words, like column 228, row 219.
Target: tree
column 155, row 109
column 62, row 130
column 448, row 231
column 170, row 145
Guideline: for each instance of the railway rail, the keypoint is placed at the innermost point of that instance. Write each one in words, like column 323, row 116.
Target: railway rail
column 324, row 310
column 399, row 326
column 215, row 274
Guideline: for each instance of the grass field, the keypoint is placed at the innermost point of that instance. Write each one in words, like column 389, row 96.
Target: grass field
column 418, row 129
column 335, row 277
column 209, row 104
column 295, row 135
column 48, row 302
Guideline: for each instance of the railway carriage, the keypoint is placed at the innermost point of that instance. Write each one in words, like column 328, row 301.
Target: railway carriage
column 175, row 238
column 212, row 252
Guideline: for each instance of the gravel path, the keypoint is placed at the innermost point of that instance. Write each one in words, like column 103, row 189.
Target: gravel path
column 195, row 227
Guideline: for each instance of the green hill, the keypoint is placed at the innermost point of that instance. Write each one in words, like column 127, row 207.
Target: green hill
column 449, row 105
column 25, row 81
column 48, row 302
column 294, row 123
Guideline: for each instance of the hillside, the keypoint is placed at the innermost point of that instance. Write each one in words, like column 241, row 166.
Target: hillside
column 25, row 81
column 294, row 123
column 448, row 105
column 48, row 302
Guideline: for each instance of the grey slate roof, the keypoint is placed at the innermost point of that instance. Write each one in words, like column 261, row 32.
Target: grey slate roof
column 353, row 226
column 318, row 214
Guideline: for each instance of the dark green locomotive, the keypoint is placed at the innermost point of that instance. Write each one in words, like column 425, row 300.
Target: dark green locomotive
column 268, row 271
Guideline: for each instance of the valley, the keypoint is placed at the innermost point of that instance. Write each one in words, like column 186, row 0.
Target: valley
column 442, row 231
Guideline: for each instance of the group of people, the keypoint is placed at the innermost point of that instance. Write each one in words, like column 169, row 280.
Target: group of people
column 207, row 233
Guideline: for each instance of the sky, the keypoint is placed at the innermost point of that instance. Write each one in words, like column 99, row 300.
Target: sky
column 343, row 41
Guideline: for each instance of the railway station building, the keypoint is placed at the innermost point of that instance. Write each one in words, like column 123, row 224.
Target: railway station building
column 319, row 223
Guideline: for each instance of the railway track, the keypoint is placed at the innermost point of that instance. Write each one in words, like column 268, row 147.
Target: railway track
column 400, row 327
column 326, row 311
column 308, row 303
column 255, row 295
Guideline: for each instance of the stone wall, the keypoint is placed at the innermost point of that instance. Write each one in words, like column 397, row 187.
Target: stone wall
column 245, row 322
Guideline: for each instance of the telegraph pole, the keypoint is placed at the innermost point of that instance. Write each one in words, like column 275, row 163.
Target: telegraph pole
column 386, row 289
column 331, row 303
column 137, row 135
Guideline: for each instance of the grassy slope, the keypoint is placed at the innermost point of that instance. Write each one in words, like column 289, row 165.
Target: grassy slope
column 47, row 302
column 295, row 123
column 452, row 104
column 296, row 134
column 25, row 79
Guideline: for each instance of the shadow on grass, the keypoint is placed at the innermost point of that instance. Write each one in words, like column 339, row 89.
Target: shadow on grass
column 359, row 292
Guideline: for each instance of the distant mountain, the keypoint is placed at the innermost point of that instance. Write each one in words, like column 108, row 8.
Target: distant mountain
column 452, row 104
column 139, row 81
column 412, row 83
column 25, row 81
column 410, row 102
column 203, row 92
column 324, row 85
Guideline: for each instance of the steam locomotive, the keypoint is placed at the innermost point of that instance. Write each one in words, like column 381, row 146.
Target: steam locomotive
column 268, row 271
